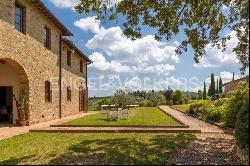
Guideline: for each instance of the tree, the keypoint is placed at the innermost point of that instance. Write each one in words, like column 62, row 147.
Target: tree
column 203, row 22
column 211, row 90
column 168, row 94
column 155, row 99
column 177, row 97
column 119, row 97
column 205, row 92
column 217, row 86
column 220, row 86
column 233, row 76
column 200, row 94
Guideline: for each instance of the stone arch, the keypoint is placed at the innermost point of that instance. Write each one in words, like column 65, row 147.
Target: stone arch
column 13, row 74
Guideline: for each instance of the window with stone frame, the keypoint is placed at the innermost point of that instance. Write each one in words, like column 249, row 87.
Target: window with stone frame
column 68, row 93
column 69, row 58
column 48, row 92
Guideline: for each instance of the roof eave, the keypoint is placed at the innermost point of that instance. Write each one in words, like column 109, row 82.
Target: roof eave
column 52, row 17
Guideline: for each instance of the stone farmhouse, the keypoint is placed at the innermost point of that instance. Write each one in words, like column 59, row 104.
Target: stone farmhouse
column 38, row 61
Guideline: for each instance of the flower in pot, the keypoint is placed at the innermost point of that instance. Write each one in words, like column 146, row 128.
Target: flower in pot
column 22, row 109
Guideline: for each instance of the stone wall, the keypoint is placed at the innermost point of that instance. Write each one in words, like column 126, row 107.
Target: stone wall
column 73, row 78
column 38, row 63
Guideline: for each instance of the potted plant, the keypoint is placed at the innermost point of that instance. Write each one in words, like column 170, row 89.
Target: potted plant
column 22, row 109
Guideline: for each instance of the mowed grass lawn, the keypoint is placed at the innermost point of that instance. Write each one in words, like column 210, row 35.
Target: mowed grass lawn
column 97, row 149
column 184, row 107
column 147, row 116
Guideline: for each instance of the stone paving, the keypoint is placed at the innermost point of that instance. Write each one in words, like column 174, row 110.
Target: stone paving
column 7, row 131
column 192, row 122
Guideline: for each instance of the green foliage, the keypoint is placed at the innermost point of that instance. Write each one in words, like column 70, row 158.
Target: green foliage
column 242, row 125
column 202, row 21
column 204, row 96
column 119, row 97
column 221, row 102
column 212, row 113
column 22, row 106
column 196, row 107
column 212, row 90
column 234, row 104
column 220, row 86
column 95, row 104
column 177, row 97
column 170, row 102
column 155, row 99
column 200, row 94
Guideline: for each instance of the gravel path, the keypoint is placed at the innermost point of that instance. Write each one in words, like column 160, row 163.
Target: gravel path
column 208, row 149
column 192, row 122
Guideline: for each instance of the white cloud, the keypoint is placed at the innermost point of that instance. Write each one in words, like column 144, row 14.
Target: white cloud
column 159, row 69
column 100, row 63
column 89, row 24
column 216, row 58
column 65, row 3
column 134, row 83
column 122, row 49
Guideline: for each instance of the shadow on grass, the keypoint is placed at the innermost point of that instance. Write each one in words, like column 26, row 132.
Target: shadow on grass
column 120, row 151
column 15, row 161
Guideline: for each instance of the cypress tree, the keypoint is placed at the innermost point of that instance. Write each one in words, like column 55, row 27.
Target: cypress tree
column 233, row 76
column 205, row 92
column 211, row 90
column 220, row 86
column 217, row 86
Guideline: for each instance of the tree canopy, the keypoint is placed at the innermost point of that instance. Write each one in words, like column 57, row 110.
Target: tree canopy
column 203, row 22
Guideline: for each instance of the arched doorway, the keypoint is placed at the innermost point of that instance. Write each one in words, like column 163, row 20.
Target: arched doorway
column 13, row 80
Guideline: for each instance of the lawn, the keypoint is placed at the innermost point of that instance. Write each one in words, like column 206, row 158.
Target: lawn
column 148, row 116
column 97, row 149
column 184, row 107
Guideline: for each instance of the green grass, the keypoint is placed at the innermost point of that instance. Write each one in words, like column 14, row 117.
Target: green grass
column 98, row 149
column 150, row 116
column 184, row 107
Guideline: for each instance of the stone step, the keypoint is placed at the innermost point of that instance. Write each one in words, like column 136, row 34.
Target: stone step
column 137, row 126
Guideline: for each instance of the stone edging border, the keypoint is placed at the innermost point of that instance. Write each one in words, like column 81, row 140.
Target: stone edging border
column 116, row 131
column 131, row 126
column 212, row 123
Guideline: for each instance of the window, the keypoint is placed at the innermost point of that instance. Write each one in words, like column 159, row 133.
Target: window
column 47, row 37
column 48, row 92
column 81, row 66
column 69, row 58
column 81, row 99
column 19, row 19
column 68, row 93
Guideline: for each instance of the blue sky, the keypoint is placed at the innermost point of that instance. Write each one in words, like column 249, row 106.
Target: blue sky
column 144, row 64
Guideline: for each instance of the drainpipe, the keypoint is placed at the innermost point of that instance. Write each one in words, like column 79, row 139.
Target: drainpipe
column 60, row 77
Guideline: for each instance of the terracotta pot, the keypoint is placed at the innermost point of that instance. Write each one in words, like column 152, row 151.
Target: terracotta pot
column 21, row 122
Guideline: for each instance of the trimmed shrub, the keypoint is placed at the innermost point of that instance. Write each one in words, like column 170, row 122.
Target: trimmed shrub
column 170, row 102
column 234, row 104
column 196, row 107
column 212, row 113
column 242, row 125
column 221, row 102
